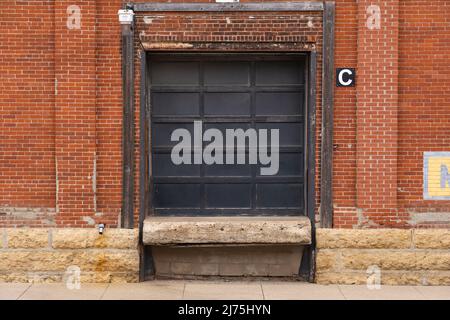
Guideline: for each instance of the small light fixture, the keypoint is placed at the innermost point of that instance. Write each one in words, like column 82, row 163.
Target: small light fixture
column 126, row 16
column 101, row 227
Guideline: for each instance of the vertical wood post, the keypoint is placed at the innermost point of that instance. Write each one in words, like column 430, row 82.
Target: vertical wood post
column 326, row 173
column 307, row 267
column 127, row 220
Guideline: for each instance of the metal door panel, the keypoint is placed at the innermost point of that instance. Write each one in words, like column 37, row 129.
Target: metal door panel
column 227, row 92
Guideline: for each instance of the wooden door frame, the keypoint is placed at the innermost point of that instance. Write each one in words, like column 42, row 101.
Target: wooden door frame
column 326, row 195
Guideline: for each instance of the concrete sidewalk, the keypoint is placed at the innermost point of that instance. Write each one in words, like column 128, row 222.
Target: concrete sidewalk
column 198, row 290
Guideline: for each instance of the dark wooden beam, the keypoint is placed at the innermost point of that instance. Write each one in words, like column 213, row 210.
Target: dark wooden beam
column 307, row 267
column 127, row 220
column 326, row 179
column 208, row 7
column 143, row 143
column 147, row 268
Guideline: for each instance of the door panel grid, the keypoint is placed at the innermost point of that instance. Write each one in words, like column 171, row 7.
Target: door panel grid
column 238, row 92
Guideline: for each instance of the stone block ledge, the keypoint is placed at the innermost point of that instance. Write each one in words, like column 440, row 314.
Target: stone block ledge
column 402, row 257
column 226, row 230
column 51, row 254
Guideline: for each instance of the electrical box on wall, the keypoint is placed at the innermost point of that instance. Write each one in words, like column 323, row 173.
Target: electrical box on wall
column 125, row 16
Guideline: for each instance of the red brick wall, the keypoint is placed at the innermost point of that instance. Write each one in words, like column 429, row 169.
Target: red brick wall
column 75, row 70
column 109, row 112
column 377, row 109
column 61, row 140
column 27, row 166
column 424, row 98
column 344, row 156
column 402, row 130
column 27, row 111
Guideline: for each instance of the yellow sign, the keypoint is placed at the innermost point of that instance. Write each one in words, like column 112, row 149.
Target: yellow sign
column 436, row 176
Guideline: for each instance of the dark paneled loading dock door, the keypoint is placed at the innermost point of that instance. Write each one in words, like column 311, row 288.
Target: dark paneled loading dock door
column 227, row 91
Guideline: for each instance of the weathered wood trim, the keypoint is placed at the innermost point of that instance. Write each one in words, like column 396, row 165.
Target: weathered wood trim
column 127, row 220
column 326, row 181
column 307, row 267
column 143, row 142
column 146, row 268
column 209, row 7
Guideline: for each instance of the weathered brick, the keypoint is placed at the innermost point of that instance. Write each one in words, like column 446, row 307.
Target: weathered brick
column 61, row 156
column 380, row 173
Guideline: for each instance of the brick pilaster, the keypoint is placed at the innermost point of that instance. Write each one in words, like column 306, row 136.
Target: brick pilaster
column 75, row 103
column 377, row 107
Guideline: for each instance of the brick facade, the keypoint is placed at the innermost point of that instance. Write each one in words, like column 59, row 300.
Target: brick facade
column 61, row 104
column 377, row 113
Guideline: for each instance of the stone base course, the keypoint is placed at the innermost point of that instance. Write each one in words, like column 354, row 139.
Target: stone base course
column 404, row 257
column 51, row 255
column 344, row 256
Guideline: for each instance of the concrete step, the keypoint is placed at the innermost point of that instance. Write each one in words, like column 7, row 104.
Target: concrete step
column 226, row 230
